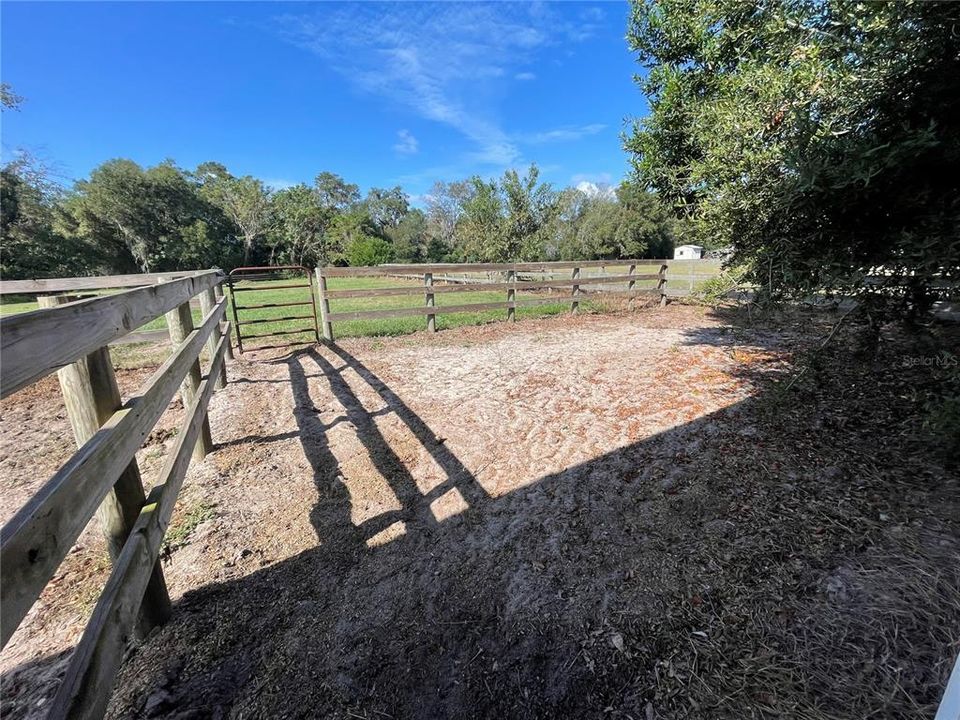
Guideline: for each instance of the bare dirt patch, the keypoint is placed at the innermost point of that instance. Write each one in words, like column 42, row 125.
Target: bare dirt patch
column 36, row 439
column 595, row 516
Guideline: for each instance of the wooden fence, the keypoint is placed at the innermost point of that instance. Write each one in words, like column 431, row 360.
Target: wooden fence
column 102, row 477
column 684, row 276
column 96, row 282
column 511, row 284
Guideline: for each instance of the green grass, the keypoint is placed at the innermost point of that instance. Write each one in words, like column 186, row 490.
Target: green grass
column 401, row 325
column 185, row 522
column 13, row 304
column 267, row 293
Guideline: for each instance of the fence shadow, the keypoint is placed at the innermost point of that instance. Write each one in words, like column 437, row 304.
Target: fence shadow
column 596, row 591
column 482, row 615
column 331, row 515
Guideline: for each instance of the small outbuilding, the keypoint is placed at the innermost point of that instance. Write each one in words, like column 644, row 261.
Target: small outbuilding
column 688, row 252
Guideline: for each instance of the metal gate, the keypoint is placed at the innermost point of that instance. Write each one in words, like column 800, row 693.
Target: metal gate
column 237, row 282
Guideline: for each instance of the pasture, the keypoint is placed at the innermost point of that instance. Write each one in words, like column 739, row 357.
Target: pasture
column 267, row 294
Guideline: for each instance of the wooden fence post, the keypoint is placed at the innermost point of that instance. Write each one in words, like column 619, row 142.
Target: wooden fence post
column 91, row 396
column 431, row 317
column 511, row 294
column 661, row 285
column 180, row 324
column 575, row 304
column 218, row 294
column 632, row 283
column 325, row 323
column 207, row 302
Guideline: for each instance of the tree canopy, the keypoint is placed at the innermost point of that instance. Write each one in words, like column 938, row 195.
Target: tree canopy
column 129, row 218
column 818, row 139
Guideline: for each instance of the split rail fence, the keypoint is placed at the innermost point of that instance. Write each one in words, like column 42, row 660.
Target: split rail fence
column 637, row 271
column 102, row 477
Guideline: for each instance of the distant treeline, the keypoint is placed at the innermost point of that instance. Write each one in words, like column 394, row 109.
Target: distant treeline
column 127, row 218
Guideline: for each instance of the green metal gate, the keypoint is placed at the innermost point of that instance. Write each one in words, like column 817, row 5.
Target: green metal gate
column 253, row 280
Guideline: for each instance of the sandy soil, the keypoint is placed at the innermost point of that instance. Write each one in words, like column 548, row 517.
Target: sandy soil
column 35, row 440
column 591, row 516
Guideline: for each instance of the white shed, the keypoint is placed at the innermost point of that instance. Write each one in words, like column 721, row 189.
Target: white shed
column 687, row 252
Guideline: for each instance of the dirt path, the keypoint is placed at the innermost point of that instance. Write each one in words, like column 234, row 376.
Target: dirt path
column 592, row 516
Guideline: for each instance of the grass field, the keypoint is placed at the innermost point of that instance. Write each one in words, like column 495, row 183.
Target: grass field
column 267, row 293
column 392, row 326
column 13, row 304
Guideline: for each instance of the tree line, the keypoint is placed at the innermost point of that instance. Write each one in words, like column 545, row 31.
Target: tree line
column 125, row 218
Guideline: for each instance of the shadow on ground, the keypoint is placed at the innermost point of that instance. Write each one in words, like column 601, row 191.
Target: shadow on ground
column 782, row 557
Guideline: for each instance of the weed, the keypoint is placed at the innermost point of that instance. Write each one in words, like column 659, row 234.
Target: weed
column 183, row 525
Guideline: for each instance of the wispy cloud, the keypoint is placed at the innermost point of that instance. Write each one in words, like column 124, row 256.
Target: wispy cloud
column 439, row 60
column 406, row 144
column 525, row 76
column 564, row 134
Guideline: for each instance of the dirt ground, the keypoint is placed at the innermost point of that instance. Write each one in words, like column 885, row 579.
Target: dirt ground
column 595, row 516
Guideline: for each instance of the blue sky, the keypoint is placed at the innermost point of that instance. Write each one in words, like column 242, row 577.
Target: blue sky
column 382, row 94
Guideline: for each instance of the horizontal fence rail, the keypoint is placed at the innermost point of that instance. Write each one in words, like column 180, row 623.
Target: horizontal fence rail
column 102, row 477
column 578, row 286
column 35, row 541
column 415, row 269
column 72, row 284
column 98, row 655
column 38, row 342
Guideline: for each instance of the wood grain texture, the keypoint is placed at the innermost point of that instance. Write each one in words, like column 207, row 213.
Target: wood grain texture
column 34, row 344
column 208, row 301
column 88, row 682
column 430, row 302
column 180, row 325
column 101, row 282
column 91, row 396
column 661, row 285
column 224, row 326
column 326, row 327
column 35, row 541
column 575, row 290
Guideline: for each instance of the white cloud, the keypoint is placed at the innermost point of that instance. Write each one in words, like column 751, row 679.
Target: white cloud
column 407, row 143
column 596, row 190
column 602, row 178
column 438, row 59
column 564, row 134
column 525, row 76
